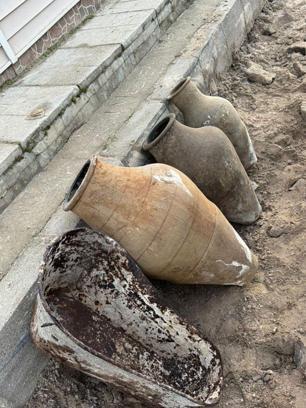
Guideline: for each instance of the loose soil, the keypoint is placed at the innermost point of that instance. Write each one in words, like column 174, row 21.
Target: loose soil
column 256, row 328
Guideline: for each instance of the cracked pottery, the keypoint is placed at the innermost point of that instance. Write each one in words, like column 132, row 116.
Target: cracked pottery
column 163, row 220
column 99, row 314
column 208, row 157
column 201, row 110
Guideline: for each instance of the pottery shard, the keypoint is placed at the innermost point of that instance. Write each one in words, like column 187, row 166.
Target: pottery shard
column 303, row 109
column 298, row 47
column 256, row 73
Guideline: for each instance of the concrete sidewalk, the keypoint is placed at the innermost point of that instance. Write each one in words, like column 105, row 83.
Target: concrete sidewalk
column 199, row 43
column 39, row 113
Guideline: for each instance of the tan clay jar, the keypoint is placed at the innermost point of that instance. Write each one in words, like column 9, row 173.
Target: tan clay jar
column 164, row 221
column 201, row 110
column 208, row 157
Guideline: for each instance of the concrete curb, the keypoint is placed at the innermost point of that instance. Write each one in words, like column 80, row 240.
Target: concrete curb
column 20, row 362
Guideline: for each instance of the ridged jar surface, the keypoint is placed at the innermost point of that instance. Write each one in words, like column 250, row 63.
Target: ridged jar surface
column 167, row 225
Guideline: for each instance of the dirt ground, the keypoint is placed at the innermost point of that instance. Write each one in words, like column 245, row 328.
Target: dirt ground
column 257, row 328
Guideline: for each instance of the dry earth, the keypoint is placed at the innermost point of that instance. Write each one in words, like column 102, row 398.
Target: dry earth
column 258, row 329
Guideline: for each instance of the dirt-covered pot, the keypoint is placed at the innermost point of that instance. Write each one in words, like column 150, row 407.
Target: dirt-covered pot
column 98, row 313
column 208, row 157
column 164, row 221
column 201, row 110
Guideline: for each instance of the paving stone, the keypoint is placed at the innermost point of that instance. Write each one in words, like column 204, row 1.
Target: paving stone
column 111, row 19
column 8, row 154
column 102, row 36
column 79, row 66
column 17, row 103
column 138, row 5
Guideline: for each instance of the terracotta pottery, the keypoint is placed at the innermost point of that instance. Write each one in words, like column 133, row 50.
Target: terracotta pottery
column 201, row 110
column 98, row 313
column 164, row 221
column 208, row 157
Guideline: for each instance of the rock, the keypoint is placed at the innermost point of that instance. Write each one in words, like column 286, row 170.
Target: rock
column 268, row 376
column 298, row 47
column 303, row 109
column 273, row 151
column 302, row 87
column 283, row 140
column 299, row 356
column 268, row 30
column 256, row 73
column 299, row 68
column 254, row 185
column 299, row 185
column 275, row 232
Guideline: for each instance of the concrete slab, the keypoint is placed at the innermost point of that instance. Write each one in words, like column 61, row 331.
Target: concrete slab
column 8, row 154
column 103, row 36
column 24, row 109
column 79, row 66
column 111, row 19
column 138, row 5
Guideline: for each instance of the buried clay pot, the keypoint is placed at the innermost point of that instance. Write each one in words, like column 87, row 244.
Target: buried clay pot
column 98, row 313
column 201, row 110
column 164, row 221
column 208, row 157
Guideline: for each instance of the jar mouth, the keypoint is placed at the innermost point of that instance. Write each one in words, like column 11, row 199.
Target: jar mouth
column 79, row 184
column 179, row 87
column 158, row 132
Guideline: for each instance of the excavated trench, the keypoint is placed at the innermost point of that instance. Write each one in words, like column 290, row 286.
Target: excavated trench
column 260, row 329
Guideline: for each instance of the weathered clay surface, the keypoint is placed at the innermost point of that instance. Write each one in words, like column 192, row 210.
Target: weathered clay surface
column 164, row 221
column 201, row 110
column 98, row 313
column 208, row 157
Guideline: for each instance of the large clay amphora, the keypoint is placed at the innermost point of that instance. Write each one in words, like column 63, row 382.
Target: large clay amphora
column 98, row 313
column 208, row 157
column 164, row 221
column 201, row 110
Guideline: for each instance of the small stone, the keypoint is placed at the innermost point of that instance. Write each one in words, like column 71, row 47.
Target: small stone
column 273, row 151
column 303, row 110
column 256, row 73
column 256, row 378
column 254, row 185
column 299, row 68
column 268, row 376
column 268, row 30
column 274, row 231
column 298, row 47
column 299, row 185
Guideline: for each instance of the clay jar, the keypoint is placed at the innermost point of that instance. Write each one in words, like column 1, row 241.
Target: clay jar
column 98, row 313
column 164, row 221
column 208, row 157
column 201, row 110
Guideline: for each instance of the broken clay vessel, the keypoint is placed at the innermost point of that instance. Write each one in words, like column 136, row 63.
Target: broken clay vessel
column 98, row 313
column 201, row 110
column 208, row 157
column 164, row 221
